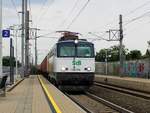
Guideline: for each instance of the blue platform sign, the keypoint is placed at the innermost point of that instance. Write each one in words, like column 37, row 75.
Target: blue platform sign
column 6, row 33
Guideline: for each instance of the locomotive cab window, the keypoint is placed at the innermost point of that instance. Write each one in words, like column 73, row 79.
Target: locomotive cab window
column 85, row 50
column 70, row 49
column 66, row 50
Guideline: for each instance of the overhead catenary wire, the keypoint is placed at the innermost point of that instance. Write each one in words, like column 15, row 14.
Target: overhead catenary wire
column 131, row 12
column 15, row 8
column 74, row 19
column 137, row 18
column 43, row 5
column 99, row 37
column 44, row 35
column 133, row 19
column 74, row 6
column 44, row 9
column 68, row 15
column 137, row 8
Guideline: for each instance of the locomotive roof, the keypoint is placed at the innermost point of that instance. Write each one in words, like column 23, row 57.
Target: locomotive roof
column 79, row 40
column 67, row 35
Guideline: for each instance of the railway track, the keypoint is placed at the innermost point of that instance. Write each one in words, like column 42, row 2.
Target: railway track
column 72, row 97
column 103, row 98
column 136, row 101
column 125, row 90
column 94, row 104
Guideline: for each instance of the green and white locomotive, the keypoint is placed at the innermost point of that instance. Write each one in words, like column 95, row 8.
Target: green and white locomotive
column 70, row 64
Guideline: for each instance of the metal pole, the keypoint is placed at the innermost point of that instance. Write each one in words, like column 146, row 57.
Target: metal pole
column 27, row 44
column 121, row 45
column 16, row 54
column 25, row 35
column 11, row 62
column 149, row 58
column 106, row 61
column 36, row 48
column 27, row 39
column 36, row 56
column 22, row 41
column 1, row 70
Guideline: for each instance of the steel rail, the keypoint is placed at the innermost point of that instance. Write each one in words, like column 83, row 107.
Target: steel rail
column 109, row 104
column 124, row 90
column 74, row 100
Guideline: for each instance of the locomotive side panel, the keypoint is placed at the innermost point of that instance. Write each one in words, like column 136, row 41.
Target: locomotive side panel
column 51, row 60
column 51, row 63
column 43, row 66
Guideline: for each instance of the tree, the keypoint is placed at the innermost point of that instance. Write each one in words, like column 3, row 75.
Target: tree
column 100, row 56
column 6, row 61
column 112, row 54
column 134, row 54
column 115, row 52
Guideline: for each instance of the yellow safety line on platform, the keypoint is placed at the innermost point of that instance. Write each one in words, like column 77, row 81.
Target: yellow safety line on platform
column 49, row 96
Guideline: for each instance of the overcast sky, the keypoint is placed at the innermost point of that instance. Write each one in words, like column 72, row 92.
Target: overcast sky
column 98, row 17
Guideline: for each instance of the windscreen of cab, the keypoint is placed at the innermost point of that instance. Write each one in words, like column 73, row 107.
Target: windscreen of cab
column 70, row 49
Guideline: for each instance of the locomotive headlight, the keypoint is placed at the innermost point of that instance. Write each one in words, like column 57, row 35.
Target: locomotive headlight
column 76, row 41
column 63, row 68
column 89, row 69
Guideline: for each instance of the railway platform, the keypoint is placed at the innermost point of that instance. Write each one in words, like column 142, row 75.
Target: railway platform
column 36, row 95
column 138, row 84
